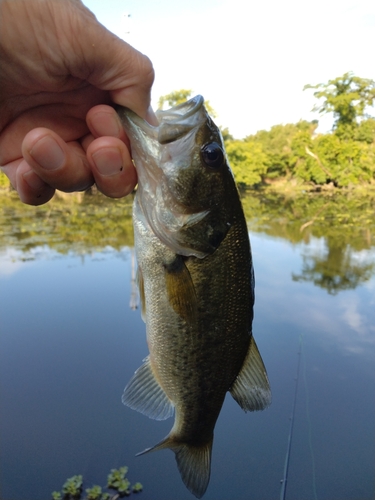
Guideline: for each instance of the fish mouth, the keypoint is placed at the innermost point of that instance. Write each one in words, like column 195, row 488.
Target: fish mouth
column 174, row 123
column 181, row 111
column 161, row 155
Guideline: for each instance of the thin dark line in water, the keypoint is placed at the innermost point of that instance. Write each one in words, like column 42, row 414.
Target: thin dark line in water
column 284, row 480
column 309, row 424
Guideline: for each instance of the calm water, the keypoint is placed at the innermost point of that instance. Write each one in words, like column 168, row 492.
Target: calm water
column 70, row 342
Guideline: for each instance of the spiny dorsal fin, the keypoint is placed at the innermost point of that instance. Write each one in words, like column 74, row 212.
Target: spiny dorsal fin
column 193, row 462
column 144, row 394
column 251, row 389
column 180, row 289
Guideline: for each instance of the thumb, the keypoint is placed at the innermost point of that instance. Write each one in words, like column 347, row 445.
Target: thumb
column 110, row 64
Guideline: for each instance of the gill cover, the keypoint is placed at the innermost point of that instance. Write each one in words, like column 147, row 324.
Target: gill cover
column 182, row 172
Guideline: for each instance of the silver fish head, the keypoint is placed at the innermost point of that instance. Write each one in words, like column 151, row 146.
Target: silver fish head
column 185, row 182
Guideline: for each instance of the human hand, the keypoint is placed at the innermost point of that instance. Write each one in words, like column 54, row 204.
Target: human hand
column 60, row 70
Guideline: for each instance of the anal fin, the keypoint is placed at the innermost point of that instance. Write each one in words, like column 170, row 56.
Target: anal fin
column 144, row 394
column 251, row 389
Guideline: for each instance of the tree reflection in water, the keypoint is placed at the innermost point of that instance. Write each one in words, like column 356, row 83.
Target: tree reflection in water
column 337, row 268
column 343, row 222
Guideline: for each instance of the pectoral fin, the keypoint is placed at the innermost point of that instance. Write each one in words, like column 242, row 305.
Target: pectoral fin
column 144, row 394
column 141, row 288
column 180, row 289
column 251, row 389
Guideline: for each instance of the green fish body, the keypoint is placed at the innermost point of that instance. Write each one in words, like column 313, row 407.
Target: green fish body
column 196, row 284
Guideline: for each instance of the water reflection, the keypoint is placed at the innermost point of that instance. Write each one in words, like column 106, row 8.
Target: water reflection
column 79, row 225
column 338, row 231
column 70, row 342
column 335, row 267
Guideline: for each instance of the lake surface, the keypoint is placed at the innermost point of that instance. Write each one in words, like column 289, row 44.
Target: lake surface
column 70, row 342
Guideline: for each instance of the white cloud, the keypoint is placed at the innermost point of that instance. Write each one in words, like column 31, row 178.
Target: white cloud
column 10, row 262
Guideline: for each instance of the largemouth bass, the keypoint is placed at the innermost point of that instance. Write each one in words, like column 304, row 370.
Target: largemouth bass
column 196, row 285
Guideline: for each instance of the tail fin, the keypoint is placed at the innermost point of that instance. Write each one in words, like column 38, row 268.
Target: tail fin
column 193, row 462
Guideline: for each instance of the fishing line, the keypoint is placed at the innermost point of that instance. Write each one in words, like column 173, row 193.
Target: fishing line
column 284, row 480
column 309, row 424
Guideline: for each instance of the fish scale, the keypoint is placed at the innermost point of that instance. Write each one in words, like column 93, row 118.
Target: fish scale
column 196, row 285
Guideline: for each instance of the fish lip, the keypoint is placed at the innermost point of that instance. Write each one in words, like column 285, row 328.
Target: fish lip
column 180, row 120
column 181, row 111
column 132, row 118
column 174, row 123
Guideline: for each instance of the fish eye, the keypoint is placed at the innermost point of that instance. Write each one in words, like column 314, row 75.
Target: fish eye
column 212, row 155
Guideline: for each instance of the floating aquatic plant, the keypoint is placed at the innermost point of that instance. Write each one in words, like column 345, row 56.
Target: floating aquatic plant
column 72, row 487
column 117, row 480
column 137, row 488
column 95, row 493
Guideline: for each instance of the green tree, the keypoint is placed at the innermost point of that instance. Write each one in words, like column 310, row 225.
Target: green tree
column 307, row 165
column 277, row 145
column 345, row 162
column 248, row 162
column 366, row 131
column 347, row 97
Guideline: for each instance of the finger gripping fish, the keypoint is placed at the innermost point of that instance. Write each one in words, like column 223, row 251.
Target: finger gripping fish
column 196, row 283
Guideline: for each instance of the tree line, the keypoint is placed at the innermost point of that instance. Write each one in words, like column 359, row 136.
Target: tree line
column 295, row 151
column 344, row 156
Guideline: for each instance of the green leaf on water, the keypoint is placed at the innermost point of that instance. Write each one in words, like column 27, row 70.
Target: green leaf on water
column 137, row 488
column 94, row 493
column 73, row 486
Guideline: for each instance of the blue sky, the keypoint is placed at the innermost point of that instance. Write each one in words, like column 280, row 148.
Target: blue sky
column 249, row 59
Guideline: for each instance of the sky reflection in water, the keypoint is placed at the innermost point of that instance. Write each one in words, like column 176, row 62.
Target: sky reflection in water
column 70, row 343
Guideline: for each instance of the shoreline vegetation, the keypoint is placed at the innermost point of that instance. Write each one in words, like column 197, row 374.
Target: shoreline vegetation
column 335, row 228
column 283, row 186
column 294, row 157
column 296, row 153
column 86, row 221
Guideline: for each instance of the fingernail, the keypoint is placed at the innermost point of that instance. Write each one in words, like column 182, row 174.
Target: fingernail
column 33, row 180
column 48, row 154
column 108, row 161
